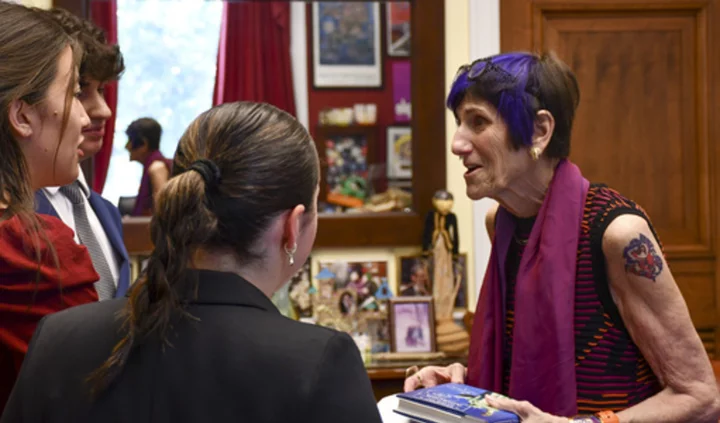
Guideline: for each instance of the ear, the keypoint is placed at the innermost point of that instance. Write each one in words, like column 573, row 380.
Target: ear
column 21, row 116
column 293, row 222
column 543, row 129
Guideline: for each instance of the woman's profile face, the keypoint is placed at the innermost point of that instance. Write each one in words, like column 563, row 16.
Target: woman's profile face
column 50, row 163
column 483, row 143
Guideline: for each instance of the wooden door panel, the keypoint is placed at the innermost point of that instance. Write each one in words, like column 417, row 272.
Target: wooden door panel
column 648, row 121
column 645, row 83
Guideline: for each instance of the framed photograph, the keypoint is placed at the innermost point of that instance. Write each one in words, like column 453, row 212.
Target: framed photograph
column 297, row 294
column 346, row 154
column 346, row 45
column 348, row 292
column 364, row 279
column 414, row 277
column 415, row 272
column 399, row 152
column 412, row 324
column 398, row 28
column 378, row 327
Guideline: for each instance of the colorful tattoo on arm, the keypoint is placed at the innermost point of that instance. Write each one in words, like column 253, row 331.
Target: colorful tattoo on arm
column 641, row 258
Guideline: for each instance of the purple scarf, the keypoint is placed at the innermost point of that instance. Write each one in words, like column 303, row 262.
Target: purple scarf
column 144, row 200
column 543, row 352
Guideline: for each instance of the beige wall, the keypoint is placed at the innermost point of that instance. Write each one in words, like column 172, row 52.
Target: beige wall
column 45, row 4
column 457, row 52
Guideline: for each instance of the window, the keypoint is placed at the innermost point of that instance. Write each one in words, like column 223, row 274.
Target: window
column 170, row 51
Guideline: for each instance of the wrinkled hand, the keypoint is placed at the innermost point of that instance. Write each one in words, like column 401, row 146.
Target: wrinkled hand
column 527, row 412
column 433, row 375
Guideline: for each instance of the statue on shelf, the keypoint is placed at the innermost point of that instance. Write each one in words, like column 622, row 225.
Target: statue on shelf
column 441, row 244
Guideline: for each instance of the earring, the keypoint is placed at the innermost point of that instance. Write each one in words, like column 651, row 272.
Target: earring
column 291, row 253
column 535, row 153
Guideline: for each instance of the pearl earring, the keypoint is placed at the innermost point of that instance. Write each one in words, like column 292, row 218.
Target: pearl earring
column 291, row 253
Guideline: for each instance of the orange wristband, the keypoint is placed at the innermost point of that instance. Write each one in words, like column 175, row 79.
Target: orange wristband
column 608, row 417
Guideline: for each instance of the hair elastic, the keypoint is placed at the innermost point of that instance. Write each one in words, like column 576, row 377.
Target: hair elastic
column 209, row 171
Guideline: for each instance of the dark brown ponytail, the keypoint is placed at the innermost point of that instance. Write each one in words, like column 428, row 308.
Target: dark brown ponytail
column 267, row 164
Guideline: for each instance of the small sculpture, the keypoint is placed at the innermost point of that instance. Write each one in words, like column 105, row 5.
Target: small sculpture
column 441, row 243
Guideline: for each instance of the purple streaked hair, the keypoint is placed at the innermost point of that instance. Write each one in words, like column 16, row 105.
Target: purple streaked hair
column 508, row 81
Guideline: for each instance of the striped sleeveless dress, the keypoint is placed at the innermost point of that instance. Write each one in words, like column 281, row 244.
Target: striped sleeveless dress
column 611, row 372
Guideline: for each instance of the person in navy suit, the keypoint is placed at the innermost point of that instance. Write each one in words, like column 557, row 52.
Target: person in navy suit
column 100, row 64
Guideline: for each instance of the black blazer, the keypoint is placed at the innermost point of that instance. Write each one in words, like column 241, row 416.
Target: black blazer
column 242, row 362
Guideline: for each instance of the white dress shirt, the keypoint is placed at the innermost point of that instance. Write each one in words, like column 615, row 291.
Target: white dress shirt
column 64, row 209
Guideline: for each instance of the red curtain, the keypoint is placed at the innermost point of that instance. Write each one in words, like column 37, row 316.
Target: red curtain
column 254, row 55
column 104, row 14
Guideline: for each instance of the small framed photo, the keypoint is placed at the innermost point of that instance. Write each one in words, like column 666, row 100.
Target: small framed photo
column 414, row 276
column 412, row 324
column 346, row 45
column 294, row 299
column 346, row 155
column 399, row 152
column 398, row 28
column 379, row 329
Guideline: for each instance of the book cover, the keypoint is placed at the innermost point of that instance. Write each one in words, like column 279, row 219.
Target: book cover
column 457, row 399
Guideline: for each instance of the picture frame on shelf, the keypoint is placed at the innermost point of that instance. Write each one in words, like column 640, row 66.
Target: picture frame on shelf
column 398, row 27
column 346, row 45
column 413, row 276
column 412, row 324
column 399, row 152
column 349, row 292
column 296, row 299
column 347, row 157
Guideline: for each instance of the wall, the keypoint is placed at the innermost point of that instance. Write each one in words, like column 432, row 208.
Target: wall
column 484, row 36
column 45, row 4
column 457, row 50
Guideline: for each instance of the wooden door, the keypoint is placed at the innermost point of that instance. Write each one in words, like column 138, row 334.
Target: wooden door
column 649, row 117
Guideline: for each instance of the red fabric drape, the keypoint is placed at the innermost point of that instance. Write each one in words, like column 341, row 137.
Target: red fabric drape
column 254, row 55
column 104, row 14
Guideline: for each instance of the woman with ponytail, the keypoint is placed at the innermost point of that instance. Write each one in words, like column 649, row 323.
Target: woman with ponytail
column 198, row 339
column 42, row 269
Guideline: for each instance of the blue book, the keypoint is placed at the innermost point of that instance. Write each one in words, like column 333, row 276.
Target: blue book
column 451, row 402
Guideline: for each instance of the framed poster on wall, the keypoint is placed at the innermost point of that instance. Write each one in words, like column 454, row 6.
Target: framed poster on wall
column 398, row 28
column 346, row 45
column 399, row 152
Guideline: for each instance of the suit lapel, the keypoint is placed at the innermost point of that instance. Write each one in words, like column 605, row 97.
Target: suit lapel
column 106, row 220
column 43, row 206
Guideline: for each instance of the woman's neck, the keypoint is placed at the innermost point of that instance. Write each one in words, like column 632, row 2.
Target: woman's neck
column 224, row 261
column 524, row 196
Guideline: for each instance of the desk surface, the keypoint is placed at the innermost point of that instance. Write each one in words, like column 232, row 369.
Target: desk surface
column 391, row 369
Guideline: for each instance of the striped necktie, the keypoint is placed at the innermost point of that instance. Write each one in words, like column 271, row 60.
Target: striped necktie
column 105, row 287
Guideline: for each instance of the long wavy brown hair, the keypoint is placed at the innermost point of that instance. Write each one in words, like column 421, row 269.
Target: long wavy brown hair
column 30, row 47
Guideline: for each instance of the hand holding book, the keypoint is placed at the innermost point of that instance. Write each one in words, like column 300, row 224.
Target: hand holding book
column 459, row 403
column 528, row 413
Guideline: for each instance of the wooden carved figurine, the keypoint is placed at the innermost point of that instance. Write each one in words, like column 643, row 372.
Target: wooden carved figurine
column 440, row 243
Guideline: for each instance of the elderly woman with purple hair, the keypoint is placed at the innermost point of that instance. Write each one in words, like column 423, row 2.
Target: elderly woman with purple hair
column 579, row 317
